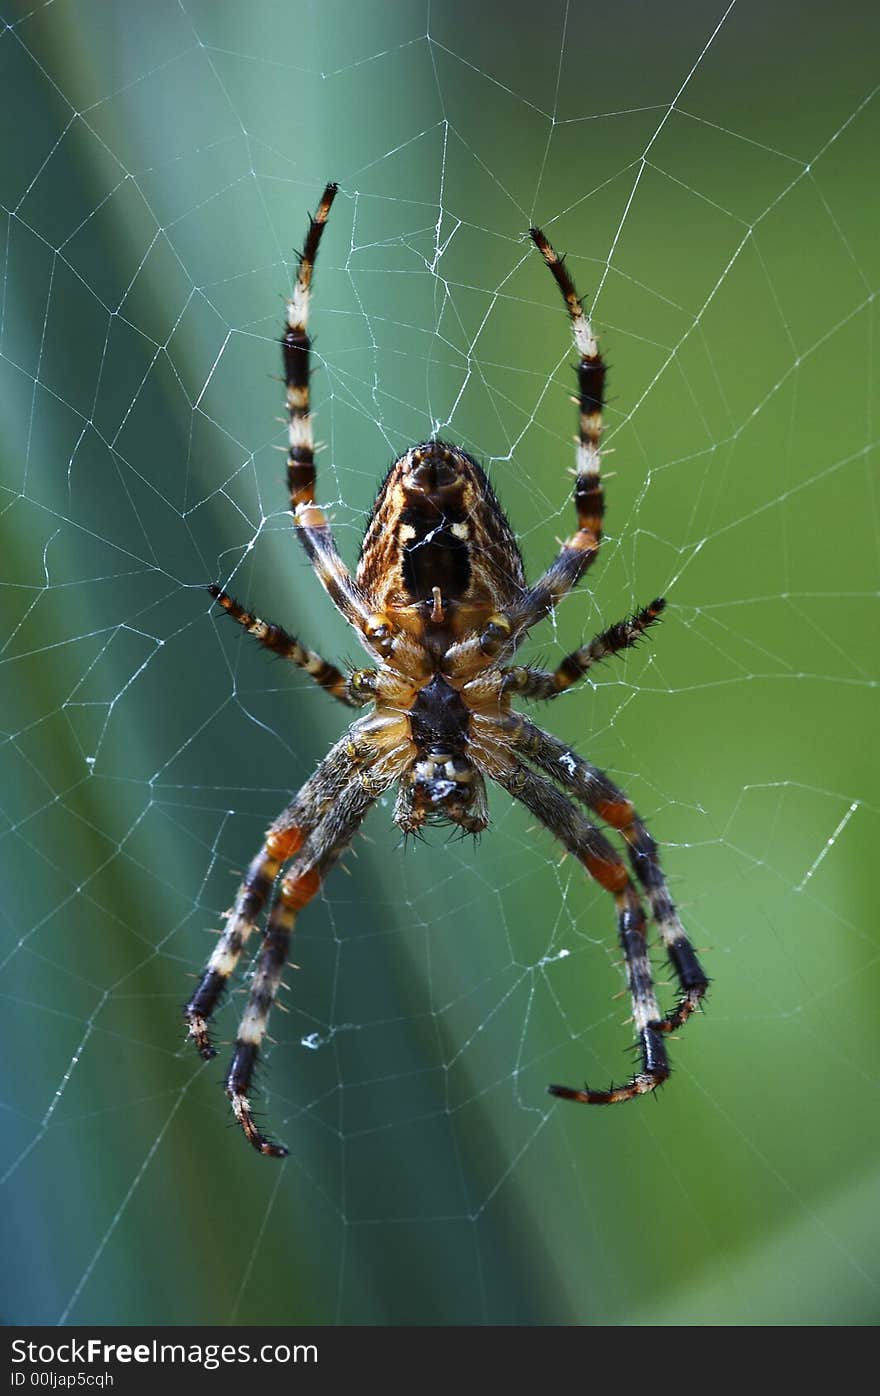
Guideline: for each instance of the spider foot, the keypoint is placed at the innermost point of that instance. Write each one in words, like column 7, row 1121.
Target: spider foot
column 655, row 1070
column 199, row 1010
column 692, row 999
column 641, row 1084
column 198, row 1031
column 241, row 1108
column 692, row 981
column 238, row 1083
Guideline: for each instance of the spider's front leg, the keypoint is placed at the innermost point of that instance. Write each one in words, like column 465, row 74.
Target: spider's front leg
column 599, row 793
column 605, row 865
column 301, row 883
column 285, row 838
column 315, row 829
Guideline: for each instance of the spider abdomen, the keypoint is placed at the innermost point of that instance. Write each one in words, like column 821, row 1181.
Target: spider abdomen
column 435, row 554
column 437, row 527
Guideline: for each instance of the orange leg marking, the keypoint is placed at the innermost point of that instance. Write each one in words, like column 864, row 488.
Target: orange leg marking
column 283, row 843
column 612, row 876
column 617, row 813
column 298, row 892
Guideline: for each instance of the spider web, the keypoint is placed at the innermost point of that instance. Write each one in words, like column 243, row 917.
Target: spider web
column 709, row 170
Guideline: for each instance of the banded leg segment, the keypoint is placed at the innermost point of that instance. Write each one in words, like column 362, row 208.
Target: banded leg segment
column 286, row 836
column 579, row 551
column 312, row 527
column 599, row 793
column 323, row 848
column 241, row 922
column 316, row 537
column 297, row 346
column 543, row 683
column 280, row 642
column 605, row 865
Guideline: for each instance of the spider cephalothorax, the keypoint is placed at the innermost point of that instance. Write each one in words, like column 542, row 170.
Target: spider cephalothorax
column 441, row 603
column 440, row 786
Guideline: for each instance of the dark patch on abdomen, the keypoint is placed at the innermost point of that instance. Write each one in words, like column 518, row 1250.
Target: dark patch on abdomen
column 434, row 558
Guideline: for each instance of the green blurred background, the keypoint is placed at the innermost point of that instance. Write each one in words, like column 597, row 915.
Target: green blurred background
column 720, row 204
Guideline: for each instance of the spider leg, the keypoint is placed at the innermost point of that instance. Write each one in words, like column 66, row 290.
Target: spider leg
column 599, row 793
column 280, row 642
column 605, row 865
column 317, row 826
column 527, row 682
column 580, row 550
column 322, row 849
column 311, row 523
column 507, row 630
column 297, row 363
column 314, row 533
column 283, row 840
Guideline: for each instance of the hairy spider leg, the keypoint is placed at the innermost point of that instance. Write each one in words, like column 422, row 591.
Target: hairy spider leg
column 599, row 793
column 283, row 840
column 506, row 631
column 297, row 363
column 579, row 551
column 311, row 523
column 323, row 848
column 527, row 682
column 280, row 642
column 241, row 922
column 313, row 530
column 605, row 866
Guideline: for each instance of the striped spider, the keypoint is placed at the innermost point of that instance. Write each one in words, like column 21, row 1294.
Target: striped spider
column 441, row 603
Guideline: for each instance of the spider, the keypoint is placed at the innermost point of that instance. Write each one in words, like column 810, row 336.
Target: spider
column 441, row 603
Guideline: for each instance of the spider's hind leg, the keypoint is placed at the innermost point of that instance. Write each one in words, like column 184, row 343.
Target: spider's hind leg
column 580, row 550
column 312, row 526
column 297, row 347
